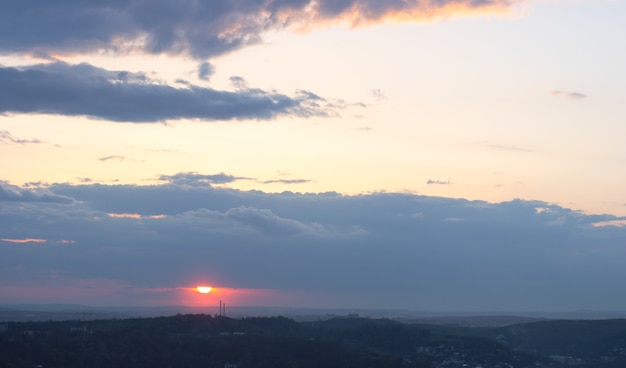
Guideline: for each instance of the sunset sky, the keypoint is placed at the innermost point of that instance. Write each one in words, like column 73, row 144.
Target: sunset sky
column 429, row 155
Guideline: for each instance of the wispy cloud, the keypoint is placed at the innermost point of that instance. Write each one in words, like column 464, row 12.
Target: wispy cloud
column 508, row 148
column 135, row 216
column 378, row 95
column 6, row 138
column 24, row 240
column 113, row 157
column 287, row 181
column 570, row 94
column 617, row 223
column 193, row 178
column 438, row 182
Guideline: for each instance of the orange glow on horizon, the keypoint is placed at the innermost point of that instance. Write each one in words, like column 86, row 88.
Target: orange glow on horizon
column 193, row 296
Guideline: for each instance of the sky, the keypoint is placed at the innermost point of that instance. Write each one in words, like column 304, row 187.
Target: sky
column 448, row 155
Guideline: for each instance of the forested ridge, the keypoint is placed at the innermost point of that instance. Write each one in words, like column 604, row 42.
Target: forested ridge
column 216, row 341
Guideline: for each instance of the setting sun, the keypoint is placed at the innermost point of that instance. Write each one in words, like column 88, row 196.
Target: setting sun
column 204, row 289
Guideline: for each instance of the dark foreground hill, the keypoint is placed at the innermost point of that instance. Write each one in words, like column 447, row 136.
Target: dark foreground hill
column 206, row 341
column 599, row 343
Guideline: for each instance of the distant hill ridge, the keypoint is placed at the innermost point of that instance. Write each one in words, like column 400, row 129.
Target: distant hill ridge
column 346, row 341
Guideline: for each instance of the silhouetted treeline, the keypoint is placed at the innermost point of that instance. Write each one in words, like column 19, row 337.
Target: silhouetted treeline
column 206, row 341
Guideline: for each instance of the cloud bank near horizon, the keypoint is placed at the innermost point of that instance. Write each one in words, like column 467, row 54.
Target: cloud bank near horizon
column 415, row 251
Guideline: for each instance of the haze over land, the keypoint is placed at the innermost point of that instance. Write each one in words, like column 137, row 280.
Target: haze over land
column 436, row 155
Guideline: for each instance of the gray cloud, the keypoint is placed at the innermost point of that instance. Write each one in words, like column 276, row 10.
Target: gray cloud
column 11, row 193
column 201, row 29
column 246, row 221
column 420, row 252
column 440, row 182
column 287, row 181
column 269, row 223
column 114, row 157
column 192, row 178
column 205, row 71
column 569, row 94
column 378, row 95
column 6, row 138
column 86, row 90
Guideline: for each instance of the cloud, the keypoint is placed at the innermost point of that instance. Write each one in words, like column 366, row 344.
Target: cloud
column 44, row 284
column 427, row 252
column 11, row 193
column 86, row 90
column 7, row 138
column 193, row 178
column 205, row 71
column 114, row 157
column 269, row 223
column 378, row 95
column 25, row 240
column 618, row 223
column 287, row 181
column 568, row 94
column 508, row 148
column 200, row 29
column 135, row 216
column 439, row 182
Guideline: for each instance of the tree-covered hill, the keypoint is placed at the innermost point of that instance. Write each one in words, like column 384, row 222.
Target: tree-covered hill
column 208, row 341
column 600, row 341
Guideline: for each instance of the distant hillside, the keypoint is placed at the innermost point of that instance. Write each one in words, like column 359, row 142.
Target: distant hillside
column 193, row 340
column 598, row 340
column 203, row 340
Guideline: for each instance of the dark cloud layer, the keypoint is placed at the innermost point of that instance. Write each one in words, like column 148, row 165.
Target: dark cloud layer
column 198, row 28
column 85, row 90
column 408, row 251
column 14, row 194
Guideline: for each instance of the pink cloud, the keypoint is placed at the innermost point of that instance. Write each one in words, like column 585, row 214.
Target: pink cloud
column 25, row 240
column 135, row 216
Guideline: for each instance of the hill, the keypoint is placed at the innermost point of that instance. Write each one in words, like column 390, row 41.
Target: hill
column 194, row 340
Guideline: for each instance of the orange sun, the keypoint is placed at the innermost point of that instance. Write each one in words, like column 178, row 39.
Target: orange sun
column 204, row 289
